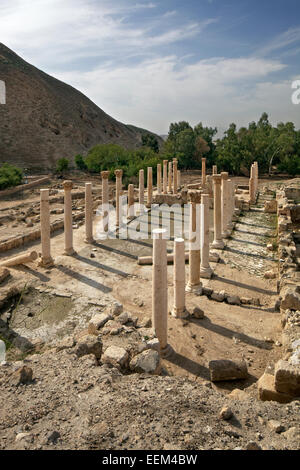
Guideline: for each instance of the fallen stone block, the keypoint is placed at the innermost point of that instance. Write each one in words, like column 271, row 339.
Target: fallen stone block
column 287, row 378
column 225, row 369
column 116, row 357
column 100, row 319
column 218, row 296
column 147, row 362
column 291, row 299
column 89, row 344
column 268, row 392
column 233, row 300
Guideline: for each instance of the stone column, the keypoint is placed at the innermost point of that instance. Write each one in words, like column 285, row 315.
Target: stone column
column 27, row 257
column 179, row 309
column 175, row 183
column 205, row 269
column 160, row 291
column 194, row 284
column 170, row 178
column 218, row 242
column 256, row 176
column 159, row 178
column 149, row 186
column 46, row 259
column 105, row 200
column 88, row 213
column 130, row 207
column 141, row 192
column 118, row 174
column 214, row 170
column 224, row 204
column 68, row 224
column 179, row 178
column 203, row 172
column 165, row 177
column 230, row 205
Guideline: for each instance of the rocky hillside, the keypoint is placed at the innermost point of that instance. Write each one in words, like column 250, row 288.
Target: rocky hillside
column 45, row 119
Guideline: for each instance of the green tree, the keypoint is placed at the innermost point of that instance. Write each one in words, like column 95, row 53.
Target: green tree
column 62, row 165
column 149, row 140
column 80, row 163
column 10, row 176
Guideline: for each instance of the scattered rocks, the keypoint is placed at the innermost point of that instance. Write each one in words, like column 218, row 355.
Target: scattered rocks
column 225, row 413
column 252, row 445
column 22, row 375
column 198, row 313
column 218, row 296
column 116, row 357
column 116, row 309
column 100, row 319
column 275, row 426
column 89, row 344
column 287, row 378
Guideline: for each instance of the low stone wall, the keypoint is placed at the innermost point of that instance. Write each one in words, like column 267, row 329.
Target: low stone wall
column 23, row 187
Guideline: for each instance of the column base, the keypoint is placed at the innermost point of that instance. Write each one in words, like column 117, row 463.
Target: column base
column 214, row 257
column 179, row 313
column 167, row 352
column 89, row 240
column 218, row 244
column 206, row 273
column 46, row 262
column 70, row 252
column 196, row 289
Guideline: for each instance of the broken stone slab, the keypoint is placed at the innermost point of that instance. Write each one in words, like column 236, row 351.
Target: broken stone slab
column 147, row 362
column 267, row 391
column 287, row 378
column 89, row 344
column 99, row 319
column 225, row 369
column 116, row 357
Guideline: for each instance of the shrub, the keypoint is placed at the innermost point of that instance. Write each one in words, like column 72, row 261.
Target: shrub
column 62, row 165
column 80, row 163
column 10, row 176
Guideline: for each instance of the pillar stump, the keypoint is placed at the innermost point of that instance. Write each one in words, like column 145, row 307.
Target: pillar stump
column 68, row 224
column 205, row 269
column 203, row 172
column 46, row 258
column 165, row 176
column 159, row 185
column 105, row 200
column 88, row 213
column 194, row 284
column 175, row 182
column 179, row 309
column 160, row 291
column 118, row 174
column 130, row 207
column 149, row 186
column 141, row 192
column 170, row 178
column 224, row 204
column 218, row 242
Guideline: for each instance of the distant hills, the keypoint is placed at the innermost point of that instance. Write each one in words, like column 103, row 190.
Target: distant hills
column 45, row 119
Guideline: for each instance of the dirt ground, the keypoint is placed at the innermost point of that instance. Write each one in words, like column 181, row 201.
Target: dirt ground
column 106, row 271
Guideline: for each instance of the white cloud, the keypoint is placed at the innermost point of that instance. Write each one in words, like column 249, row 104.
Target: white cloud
column 283, row 40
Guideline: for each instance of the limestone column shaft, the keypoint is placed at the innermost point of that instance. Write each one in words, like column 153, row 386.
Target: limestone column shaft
column 175, row 181
column 203, row 171
column 27, row 257
column 141, row 191
column 160, row 290
column 170, row 178
column 118, row 174
column 194, row 284
column 159, row 185
column 130, row 207
column 46, row 259
column 179, row 178
column 218, row 242
column 205, row 269
column 149, row 186
column 179, row 309
column 165, row 176
column 68, row 224
column 88, row 213
column 230, row 205
column 224, row 204
column 105, row 200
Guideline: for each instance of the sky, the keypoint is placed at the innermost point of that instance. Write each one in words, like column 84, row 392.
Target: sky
column 150, row 63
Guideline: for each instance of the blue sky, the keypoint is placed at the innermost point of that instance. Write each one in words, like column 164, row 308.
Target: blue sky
column 150, row 63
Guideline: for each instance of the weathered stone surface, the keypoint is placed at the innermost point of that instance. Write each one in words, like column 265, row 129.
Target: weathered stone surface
column 89, row 344
column 4, row 274
column 116, row 309
column 100, row 319
column 252, row 445
column 23, row 375
column 267, row 391
column 233, row 300
column 275, row 426
column 224, row 369
column 123, row 318
column 225, row 413
column 270, row 206
column 115, row 356
column 291, row 299
column 287, row 378
column 218, row 296
column 146, row 362
column 270, row 275
column 198, row 313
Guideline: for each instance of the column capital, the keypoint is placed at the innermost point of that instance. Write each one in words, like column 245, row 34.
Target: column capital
column 195, row 196
column 217, row 179
column 105, row 175
column 68, row 185
column 118, row 173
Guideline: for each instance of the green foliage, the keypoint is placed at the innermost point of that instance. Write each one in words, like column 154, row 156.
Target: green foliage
column 149, row 140
column 62, row 165
column 80, row 163
column 290, row 165
column 10, row 176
